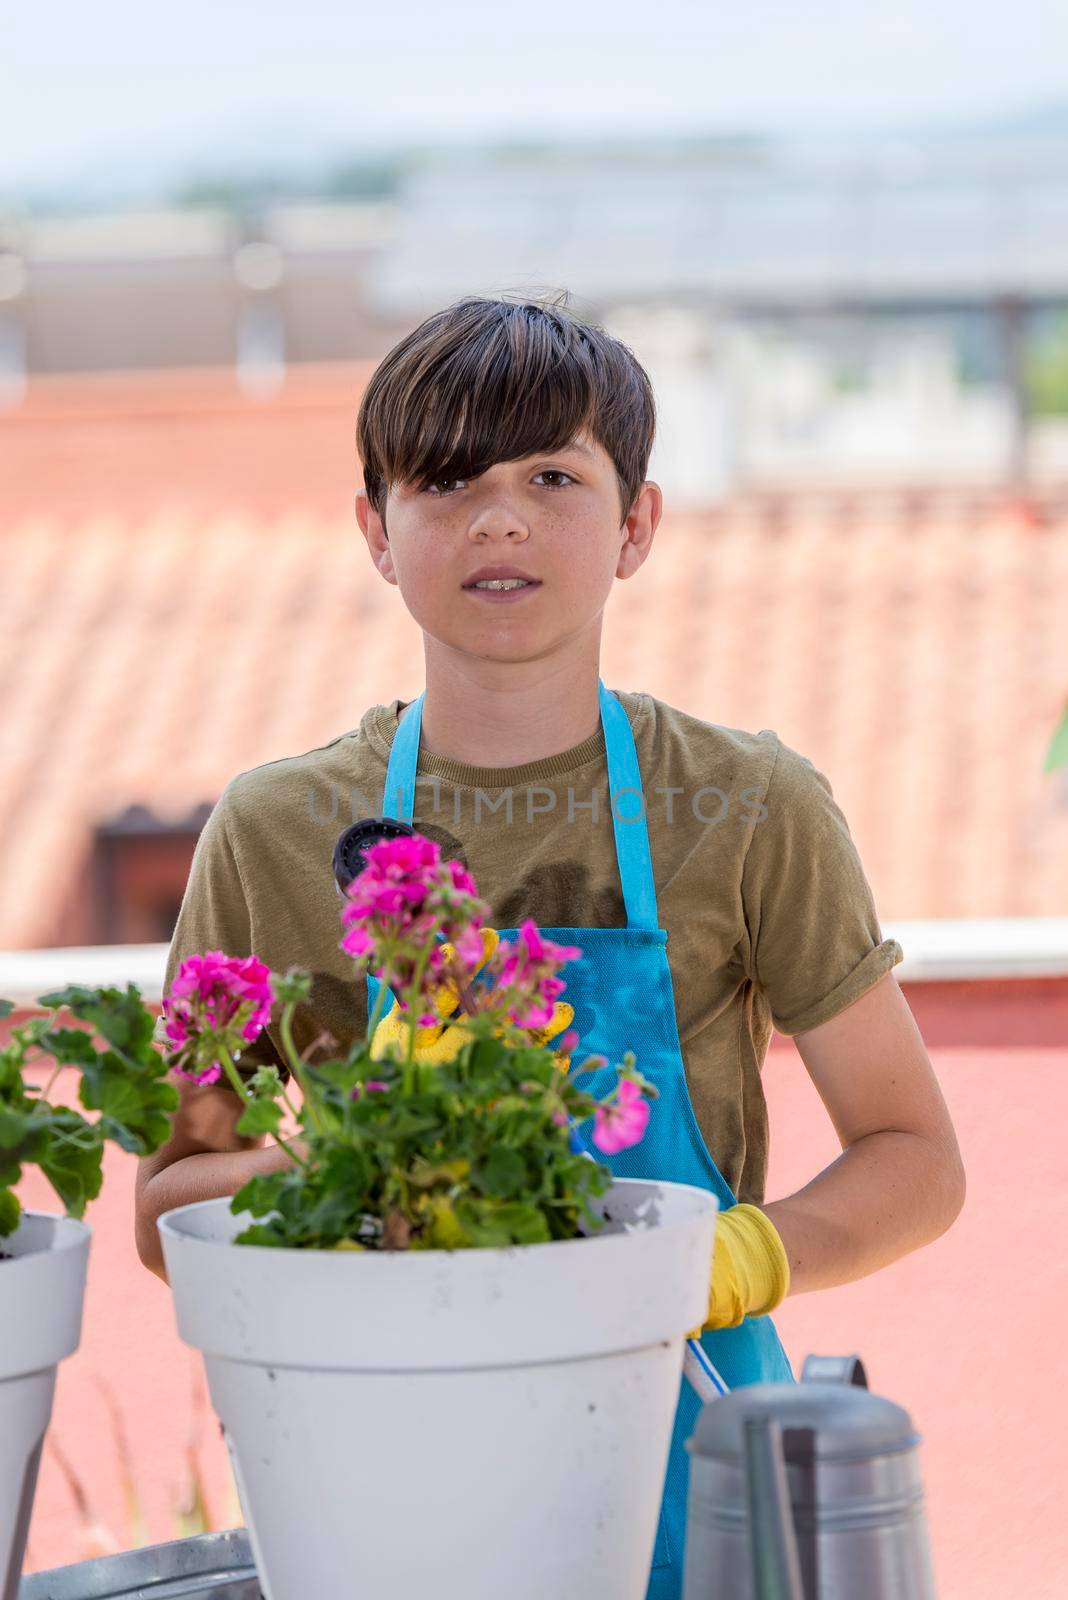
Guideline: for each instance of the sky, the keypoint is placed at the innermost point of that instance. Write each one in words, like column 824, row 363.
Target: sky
column 119, row 87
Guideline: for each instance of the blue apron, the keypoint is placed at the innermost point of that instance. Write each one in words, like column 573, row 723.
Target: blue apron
column 623, row 998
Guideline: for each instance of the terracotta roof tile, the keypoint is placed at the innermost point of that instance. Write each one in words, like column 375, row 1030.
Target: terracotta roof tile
column 193, row 598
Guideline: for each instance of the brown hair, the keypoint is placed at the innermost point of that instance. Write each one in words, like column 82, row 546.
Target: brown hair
column 493, row 380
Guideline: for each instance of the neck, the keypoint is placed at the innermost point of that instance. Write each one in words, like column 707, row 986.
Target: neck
column 504, row 714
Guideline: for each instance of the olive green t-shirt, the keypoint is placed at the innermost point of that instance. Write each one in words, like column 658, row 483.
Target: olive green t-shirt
column 769, row 916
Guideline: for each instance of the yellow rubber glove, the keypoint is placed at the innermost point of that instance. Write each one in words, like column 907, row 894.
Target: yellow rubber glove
column 441, row 1041
column 750, row 1268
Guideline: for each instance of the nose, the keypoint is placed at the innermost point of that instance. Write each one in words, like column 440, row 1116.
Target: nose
column 497, row 520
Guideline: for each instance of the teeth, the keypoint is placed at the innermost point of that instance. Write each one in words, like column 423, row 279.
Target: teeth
column 501, row 583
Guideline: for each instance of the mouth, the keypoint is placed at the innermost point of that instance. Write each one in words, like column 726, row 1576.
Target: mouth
column 501, row 585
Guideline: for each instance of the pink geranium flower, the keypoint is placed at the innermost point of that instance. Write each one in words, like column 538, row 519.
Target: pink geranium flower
column 215, row 1000
column 622, row 1123
column 525, row 975
column 401, row 907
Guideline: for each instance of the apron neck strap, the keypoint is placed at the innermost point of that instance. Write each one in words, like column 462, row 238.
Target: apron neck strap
column 625, row 797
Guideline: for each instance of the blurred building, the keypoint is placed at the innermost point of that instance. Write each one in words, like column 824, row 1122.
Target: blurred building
column 808, row 311
column 191, row 288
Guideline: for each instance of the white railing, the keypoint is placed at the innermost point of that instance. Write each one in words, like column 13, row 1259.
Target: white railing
column 936, row 950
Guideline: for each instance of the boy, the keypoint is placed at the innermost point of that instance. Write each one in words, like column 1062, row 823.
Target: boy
column 504, row 451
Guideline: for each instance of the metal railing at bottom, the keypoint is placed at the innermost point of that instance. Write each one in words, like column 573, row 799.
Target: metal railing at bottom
column 211, row 1566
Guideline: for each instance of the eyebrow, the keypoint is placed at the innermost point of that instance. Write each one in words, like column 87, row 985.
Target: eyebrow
column 583, row 449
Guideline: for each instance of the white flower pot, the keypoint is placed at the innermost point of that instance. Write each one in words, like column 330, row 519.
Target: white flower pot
column 471, row 1424
column 41, row 1296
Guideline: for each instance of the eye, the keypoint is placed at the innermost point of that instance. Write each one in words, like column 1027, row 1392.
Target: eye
column 447, row 486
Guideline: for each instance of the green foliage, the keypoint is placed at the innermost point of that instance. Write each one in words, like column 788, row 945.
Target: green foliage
column 1046, row 370
column 126, row 1083
column 10, row 1212
column 394, row 1154
column 260, row 1116
column 1057, row 754
column 470, row 1152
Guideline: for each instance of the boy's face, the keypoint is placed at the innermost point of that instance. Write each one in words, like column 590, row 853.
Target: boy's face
column 554, row 517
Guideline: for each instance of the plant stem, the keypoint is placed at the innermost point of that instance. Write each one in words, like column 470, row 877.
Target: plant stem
column 285, row 1145
column 314, row 1109
column 42, row 1098
column 232, row 1073
column 235, row 1083
column 290, row 1107
column 411, row 994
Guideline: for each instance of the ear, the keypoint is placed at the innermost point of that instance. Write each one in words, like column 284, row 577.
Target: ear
column 374, row 531
column 638, row 529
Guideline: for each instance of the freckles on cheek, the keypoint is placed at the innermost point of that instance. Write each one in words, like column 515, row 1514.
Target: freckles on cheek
column 426, row 583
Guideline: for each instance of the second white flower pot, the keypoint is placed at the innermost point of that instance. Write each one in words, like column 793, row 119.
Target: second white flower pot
column 42, row 1290
column 471, row 1424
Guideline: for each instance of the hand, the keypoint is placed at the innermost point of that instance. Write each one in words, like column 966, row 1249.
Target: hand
column 444, row 1040
column 750, row 1268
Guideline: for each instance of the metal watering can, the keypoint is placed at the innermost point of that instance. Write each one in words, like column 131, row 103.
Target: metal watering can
column 806, row 1492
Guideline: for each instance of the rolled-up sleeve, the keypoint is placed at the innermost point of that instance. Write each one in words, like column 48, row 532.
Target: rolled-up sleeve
column 813, row 943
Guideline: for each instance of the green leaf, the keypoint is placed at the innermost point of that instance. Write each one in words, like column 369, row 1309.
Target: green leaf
column 107, row 1086
column 120, row 1134
column 406, row 1124
column 331, row 1217
column 480, row 1224
column 120, row 1018
column 156, row 1127
column 509, row 1103
column 491, row 1224
column 259, row 1195
column 425, row 1174
column 259, row 1116
column 265, row 1082
column 26, row 1035
column 6, row 1007
column 15, row 1128
column 486, row 1057
column 445, row 1232
column 259, row 1233
column 11, row 1058
column 138, row 1103
column 71, row 1046
column 24, row 1135
column 10, row 1211
column 72, row 1161
column 292, row 986
column 525, row 1223
column 503, row 1173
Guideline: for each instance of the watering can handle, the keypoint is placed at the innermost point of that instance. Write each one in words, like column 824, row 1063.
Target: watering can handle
column 773, row 1542
column 835, row 1369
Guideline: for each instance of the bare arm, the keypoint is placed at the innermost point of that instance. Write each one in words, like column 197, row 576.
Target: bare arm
column 899, row 1182
column 203, row 1159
